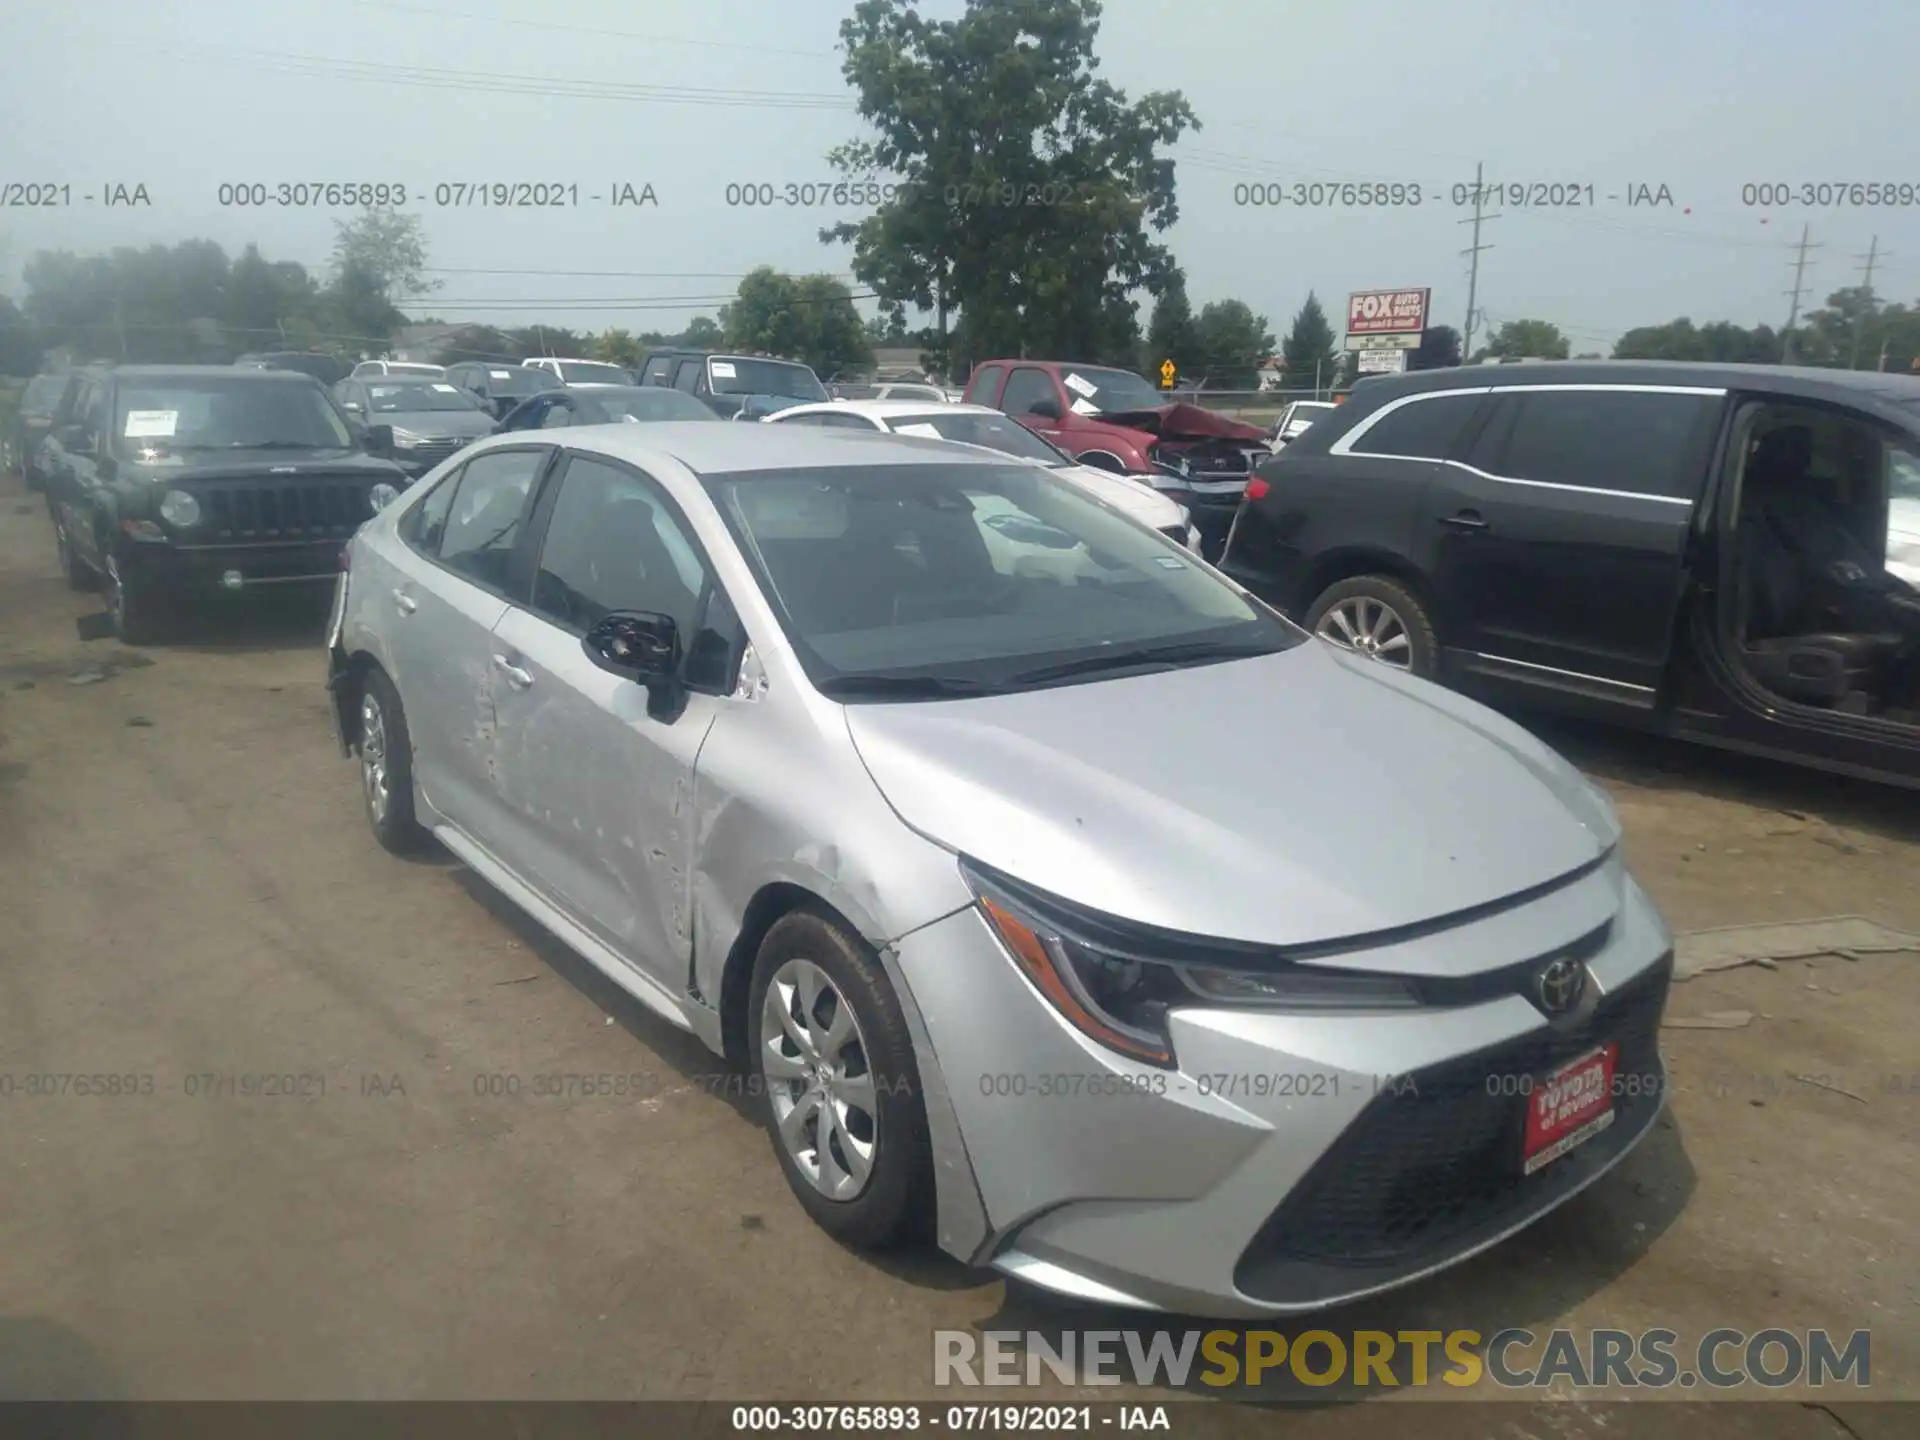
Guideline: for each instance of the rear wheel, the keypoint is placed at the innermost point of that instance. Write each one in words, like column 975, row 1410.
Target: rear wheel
column 1378, row 618
column 386, row 767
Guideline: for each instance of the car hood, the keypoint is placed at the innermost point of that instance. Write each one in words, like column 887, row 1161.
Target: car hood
column 1142, row 502
column 1183, row 422
column 1351, row 801
column 437, row 422
column 277, row 464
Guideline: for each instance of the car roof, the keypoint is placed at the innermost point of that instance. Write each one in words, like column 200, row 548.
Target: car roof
column 573, row 360
column 228, row 373
column 889, row 409
column 1791, row 379
column 727, row 448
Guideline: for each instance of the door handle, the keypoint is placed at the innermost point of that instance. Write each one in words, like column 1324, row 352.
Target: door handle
column 1465, row 520
column 516, row 677
column 406, row 602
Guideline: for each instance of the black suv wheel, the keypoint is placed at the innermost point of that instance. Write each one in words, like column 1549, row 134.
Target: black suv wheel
column 1379, row 618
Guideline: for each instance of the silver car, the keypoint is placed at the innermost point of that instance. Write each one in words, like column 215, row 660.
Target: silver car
column 1146, row 948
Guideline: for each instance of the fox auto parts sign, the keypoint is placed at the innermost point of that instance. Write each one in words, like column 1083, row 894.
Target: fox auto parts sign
column 1387, row 312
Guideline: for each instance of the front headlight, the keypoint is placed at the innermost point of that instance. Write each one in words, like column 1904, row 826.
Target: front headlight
column 1123, row 1000
column 179, row 509
column 407, row 439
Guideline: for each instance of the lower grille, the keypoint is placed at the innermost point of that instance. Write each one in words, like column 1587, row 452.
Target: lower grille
column 1431, row 1167
column 329, row 511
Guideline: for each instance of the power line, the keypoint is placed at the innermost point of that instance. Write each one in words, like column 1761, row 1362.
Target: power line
column 1473, row 254
column 1799, row 285
column 547, row 26
column 1866, row 285
column 615, row 274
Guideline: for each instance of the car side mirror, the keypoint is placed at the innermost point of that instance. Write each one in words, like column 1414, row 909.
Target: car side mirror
column 1045, row 409
column 380, row 441
column 642, row 647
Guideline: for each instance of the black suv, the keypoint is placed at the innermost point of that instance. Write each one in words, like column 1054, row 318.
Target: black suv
column 733, row 386
column 1726, row 553
column 169, row 478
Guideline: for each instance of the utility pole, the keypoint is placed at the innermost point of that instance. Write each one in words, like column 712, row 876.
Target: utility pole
column 1793, row 314
column 1473, row 254
column 1866, row 287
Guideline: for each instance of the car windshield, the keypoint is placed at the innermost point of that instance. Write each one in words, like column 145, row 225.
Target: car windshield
column 405, row 397
column 227, row 414
column 517, row 382
column 1096, row 391
column 587, row 372
column 401, row 367
column 324, row 368
column 42, row 394
column 913, row 392
column 635, row 405
column 910, row 582
column 992, row 431
column 736, row 375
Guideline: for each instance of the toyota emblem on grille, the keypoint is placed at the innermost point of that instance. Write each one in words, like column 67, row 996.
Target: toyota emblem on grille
column 1561, row 984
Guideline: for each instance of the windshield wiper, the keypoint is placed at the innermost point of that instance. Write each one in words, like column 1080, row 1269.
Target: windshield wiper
column 904, row 687
column 280, row 445
column 1143, row 657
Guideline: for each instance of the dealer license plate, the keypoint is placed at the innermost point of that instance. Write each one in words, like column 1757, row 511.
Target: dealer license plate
column 1568, row 1107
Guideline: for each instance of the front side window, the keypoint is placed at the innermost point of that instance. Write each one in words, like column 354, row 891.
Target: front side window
column 1423, row 429
column 973, row 576
column 489, row 507
column 1644, row 442
column 425, row 522
column 614, row 544
column 659, row 371
column 982, row 389
column 743, row 375
column 214, row 413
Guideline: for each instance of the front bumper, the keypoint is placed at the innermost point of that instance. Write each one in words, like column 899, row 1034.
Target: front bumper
column 1286, row 1165
column 207, row 567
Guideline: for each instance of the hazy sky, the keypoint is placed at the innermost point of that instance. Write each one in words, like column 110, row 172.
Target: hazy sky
column 1702, row 96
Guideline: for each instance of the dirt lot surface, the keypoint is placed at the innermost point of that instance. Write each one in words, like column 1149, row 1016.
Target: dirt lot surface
column 189, row 898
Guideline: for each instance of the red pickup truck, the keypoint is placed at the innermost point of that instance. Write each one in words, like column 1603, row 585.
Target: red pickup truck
column 1116, row 420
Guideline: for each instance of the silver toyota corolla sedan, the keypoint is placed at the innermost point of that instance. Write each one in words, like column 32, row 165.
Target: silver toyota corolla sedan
column 1150, row 950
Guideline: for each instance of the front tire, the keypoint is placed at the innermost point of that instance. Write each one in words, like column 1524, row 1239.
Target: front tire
column 1378, row 618
column 386, row 767
column 831, row 1050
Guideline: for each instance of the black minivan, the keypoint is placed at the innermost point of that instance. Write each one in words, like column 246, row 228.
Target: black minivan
column 1725, row 553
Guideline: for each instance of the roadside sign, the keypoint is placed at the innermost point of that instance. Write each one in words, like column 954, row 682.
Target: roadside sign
column 1382, row 362
column 1409, row 341
column 1387, row 312
column 1166, row 374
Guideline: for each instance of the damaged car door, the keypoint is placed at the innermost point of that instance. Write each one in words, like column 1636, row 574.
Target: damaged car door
column 595, row 769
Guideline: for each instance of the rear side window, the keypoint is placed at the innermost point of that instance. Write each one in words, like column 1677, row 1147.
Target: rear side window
column 424, row 524
column 1641, row 442
column 659, row 371
column 986, row 380
column 1025, row 387
column 1423, row 429
column 488, row 510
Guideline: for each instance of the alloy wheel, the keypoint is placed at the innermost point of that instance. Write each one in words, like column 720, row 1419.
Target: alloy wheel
column 373, row 757
column 814, row 1061
column 1368, row 627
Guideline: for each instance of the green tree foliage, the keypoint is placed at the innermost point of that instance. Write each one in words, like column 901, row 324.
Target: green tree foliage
column 1233, row 342
column 1439, row 348
column 1171, row 333
column 1309, row 349
column 1721, row 341
column 1027, row 185
column 1525, row 339
column 810, row 318
column 619, row 347
column 19, row 341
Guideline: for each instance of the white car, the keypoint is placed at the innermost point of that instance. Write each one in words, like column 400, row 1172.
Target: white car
column 413, row 368
column 989, row 429
column 569, row 370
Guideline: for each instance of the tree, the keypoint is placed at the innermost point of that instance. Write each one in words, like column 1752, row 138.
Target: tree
column 1307, row 352
column 703, row 334
column 1439, row 349
column 1526, row 340
column 1233, row 342
column 1171, row 334
column 618, row 347
column 1026, row 187
column 810, row 319
column 1722, row 341
column 384, row 250
column 20, row 347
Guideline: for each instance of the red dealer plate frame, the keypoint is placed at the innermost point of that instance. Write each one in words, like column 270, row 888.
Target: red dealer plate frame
column 1568, row 1107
